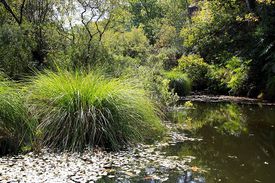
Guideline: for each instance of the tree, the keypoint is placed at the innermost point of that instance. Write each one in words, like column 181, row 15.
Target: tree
column 146, row 13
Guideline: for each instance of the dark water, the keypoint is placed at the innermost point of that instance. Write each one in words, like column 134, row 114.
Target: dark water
column 238, row 141
column 237, row 146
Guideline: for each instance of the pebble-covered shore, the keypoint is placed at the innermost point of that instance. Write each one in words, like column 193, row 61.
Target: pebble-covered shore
column 91, row 166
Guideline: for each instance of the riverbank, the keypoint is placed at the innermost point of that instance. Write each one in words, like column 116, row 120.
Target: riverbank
column 226, row 98
column 142, row 162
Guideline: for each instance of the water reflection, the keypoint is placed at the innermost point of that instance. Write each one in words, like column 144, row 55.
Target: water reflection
column 226, row 118
column 238, row 141
column 238, row 145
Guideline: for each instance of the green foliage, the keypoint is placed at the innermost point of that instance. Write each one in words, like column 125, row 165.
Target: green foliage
column 135, row 58
column 167, row 56
column 126, row 50
column 132, row 43
column 221, row 31
column 169, row 45
column 76, row 110
column 175, row 13
column 179, row 82
column 15, row 50
column 196, row 69
column 238, row 74
column 146, row 13
column 228, row 79
column 154, row 81
column 166, row 36
column 16, row 126
column 213, row 28
column 223, row 46
column 218, row 78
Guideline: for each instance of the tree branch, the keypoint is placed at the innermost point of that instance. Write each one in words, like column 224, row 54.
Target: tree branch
column 21, row 11
column 8, row 8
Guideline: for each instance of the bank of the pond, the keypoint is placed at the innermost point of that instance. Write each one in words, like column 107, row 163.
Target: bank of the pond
column 141, row 163
column 225, row 98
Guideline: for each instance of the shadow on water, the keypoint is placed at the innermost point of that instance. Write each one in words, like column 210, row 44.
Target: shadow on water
column 238, row 141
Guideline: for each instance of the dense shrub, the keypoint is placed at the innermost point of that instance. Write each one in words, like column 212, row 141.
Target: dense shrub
column 76, row 110
column 238, row 74
column 16, row 127
column 169, row 57
column 196, row 69
column 229, row 78
column 218, row 78
column 167, row 36
column 179, row 82
column 154, row 81
column 132, row 43
column 270, row 89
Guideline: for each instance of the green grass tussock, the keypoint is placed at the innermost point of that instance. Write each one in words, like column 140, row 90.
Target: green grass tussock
column 77, row 110
column 16, row 127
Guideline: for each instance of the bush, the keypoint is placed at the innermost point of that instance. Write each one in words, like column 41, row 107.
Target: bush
column 169, row 57
column 270, row 89
column 218, row 78
column 132, row 43
column 196, row 69
column 238, row 69
column 77, row 110
column 154, row 82
column 179, row 82
column 15, row 125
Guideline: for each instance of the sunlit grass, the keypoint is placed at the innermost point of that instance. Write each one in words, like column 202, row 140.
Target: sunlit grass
column 77, row 110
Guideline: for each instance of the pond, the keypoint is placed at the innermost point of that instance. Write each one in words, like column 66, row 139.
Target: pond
column 207, row 143
column 238, row 141
column 230, row 143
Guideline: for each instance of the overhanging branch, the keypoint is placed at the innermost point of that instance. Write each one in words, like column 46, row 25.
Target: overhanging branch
column 8, row 8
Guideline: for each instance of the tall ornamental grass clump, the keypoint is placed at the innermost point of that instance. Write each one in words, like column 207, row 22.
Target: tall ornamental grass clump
column 16, row 127
column 78, row 110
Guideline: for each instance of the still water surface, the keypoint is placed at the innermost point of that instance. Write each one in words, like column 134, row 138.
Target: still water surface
column 237, row 143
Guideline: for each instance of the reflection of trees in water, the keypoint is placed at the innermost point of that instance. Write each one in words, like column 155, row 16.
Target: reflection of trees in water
column 226, row 118
column 238, row 141
column 226, row 157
